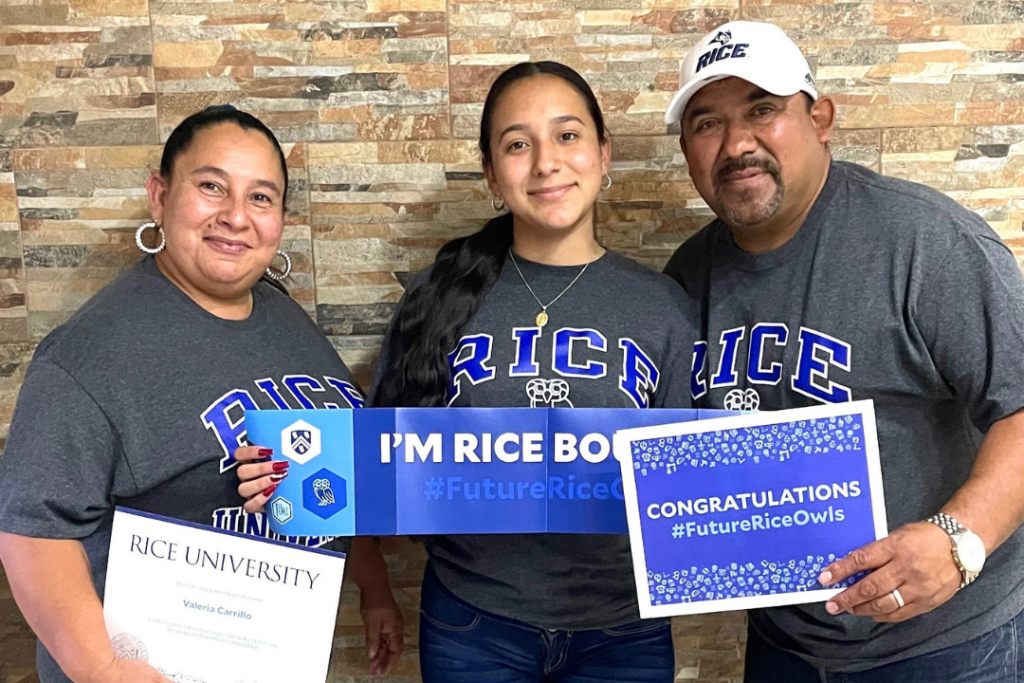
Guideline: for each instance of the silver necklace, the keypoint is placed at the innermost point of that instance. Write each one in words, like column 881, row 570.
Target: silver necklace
column 542, row 317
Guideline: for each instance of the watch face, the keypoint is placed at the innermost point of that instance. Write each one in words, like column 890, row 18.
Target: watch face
column 971, row 551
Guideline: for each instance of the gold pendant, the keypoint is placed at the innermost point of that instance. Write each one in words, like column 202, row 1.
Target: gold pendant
column 542, row 319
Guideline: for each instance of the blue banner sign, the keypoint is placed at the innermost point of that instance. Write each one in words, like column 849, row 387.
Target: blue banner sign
column 745, row 511
column 416, row 471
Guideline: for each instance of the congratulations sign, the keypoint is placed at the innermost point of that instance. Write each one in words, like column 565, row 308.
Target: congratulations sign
column 449, row 470
column 746, row 511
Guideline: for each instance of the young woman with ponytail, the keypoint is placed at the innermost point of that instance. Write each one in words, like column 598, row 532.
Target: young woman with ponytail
column 533, row 311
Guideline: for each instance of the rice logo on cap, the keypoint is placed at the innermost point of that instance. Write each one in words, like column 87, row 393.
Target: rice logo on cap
column 725, row 50
column 722, row 38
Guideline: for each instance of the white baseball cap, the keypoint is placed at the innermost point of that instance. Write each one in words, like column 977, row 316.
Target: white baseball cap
column 757, row 52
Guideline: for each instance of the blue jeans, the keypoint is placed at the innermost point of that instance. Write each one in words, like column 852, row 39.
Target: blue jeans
column 994, row 657
column 461, row 644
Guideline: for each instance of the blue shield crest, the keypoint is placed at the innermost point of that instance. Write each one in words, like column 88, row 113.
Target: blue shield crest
column 302, row 440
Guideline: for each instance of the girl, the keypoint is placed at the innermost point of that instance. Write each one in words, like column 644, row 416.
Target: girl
column 533, row 311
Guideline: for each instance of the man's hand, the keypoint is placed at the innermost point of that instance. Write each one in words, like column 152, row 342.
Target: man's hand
column 917, row 559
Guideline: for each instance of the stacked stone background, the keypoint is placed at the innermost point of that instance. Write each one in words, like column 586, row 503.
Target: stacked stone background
column 378, row 104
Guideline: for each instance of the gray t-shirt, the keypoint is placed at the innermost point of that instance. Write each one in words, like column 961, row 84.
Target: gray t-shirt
column 138, row 401
column 893, row 292
column 563, row 581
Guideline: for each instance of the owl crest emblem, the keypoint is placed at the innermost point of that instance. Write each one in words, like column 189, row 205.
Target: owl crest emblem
column 323, row 492
column 548, row 393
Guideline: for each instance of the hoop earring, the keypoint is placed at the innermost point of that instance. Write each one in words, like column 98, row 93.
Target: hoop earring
column 287, row 268
column 607, row 184
column 498, row 204
column 138, row 238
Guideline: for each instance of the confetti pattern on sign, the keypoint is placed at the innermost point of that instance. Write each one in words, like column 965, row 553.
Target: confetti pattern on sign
column 695, row 584
column 746, row 445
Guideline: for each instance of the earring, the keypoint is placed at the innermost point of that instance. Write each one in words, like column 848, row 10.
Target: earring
column 287, row 268
column 607, row 184
column 498, row 204
column 143, row 247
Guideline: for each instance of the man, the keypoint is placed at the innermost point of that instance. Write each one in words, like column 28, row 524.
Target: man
column 822, row 281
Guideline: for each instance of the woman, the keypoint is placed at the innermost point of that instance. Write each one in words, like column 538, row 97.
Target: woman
column 138, row 399
column 534, row 296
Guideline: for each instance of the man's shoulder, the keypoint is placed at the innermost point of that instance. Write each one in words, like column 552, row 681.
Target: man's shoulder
column 906, row 209
column 693, row 257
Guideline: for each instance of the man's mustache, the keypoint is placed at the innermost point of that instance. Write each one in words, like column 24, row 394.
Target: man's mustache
column 743, row 163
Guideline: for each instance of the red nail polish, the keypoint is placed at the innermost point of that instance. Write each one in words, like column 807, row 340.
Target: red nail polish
column 278, row 477
column 281, row 465
column 264, row 452
column 270, row 491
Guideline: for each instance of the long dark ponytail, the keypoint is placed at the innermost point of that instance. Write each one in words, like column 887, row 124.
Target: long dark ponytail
column 415, row 369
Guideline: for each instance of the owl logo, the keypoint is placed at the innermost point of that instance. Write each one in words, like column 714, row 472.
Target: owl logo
column 737, row 399
column 548, row 393
column 722, row 37
column 323, row 492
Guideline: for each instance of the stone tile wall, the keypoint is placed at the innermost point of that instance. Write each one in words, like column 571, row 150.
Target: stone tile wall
column 378, row 102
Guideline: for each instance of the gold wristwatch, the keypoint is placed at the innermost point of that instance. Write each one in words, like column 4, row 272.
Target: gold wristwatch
column 968, row 548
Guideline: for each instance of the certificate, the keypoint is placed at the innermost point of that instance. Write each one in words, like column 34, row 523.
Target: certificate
column 208, row 606
column 745, row 512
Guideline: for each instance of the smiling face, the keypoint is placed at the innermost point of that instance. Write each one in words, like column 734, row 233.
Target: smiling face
column 222, row 210
column 753, row 156
column 547, row 159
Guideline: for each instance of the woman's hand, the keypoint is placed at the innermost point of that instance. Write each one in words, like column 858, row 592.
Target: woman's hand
column 259, row 475
column 52, row 585
column 385, row 629
column 127, row 671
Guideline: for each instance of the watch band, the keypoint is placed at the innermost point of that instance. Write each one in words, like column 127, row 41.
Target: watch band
column 946, row 523
column 953, row 528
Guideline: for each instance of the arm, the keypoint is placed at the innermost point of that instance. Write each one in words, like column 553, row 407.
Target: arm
column 917, row 558
column 971, row 315
column 59, row 472
column 51, row 583
column 991, row 502
column 382, row 617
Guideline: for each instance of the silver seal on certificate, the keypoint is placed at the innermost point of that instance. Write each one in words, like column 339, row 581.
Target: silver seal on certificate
column 127, row 646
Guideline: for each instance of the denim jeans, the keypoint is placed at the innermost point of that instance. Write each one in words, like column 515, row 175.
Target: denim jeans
column 994, row 657
column 462, row 644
